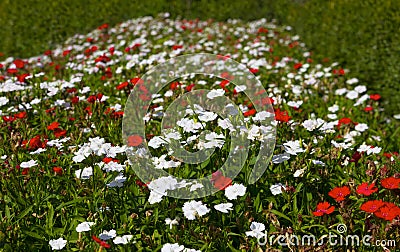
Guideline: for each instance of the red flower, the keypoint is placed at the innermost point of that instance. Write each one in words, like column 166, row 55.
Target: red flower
column 66, row 52
column 53, row 126
column 22, row 77
column 297, row 65
column 391, row 183
column 366, row 189
column 36, row 143
column 368, row 108
column 344, row 120
column 137, row 80
column 107, row 160
column 135, row 140
column 58, row 170
column 102, row 243
column 140, row 183
column 220, row 181
column 388, row 212
column 59, row 132
column 9, row 118
column 122, row 85
column 339, row 193
column 249, row 112
column 282, row 116
column 254, row 70
column 176, row 47
column 103, row 26
column 25, row 171
column 20, row 115
column 189, row 87
column 323, row 208
column 12, row 70
column 19, row 63
column 375, row 97
column 75, row 99
column 356, row 156
column 371, row 206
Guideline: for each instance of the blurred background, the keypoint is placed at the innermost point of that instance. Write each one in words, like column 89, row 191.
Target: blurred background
column 363, row 36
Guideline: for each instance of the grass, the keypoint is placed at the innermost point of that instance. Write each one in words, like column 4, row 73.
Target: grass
column 62, row 114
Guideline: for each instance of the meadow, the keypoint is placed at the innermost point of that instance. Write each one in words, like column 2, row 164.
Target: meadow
column 68, row 184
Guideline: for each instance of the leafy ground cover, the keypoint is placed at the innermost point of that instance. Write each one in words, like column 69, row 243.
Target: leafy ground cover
column 66, row 182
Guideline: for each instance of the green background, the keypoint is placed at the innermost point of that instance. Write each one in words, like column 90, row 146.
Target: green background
column 364, row 36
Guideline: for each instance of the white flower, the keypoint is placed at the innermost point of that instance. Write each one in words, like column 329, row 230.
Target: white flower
column 195, row 186
column 155, row 197
column 168, row 247
column 57, row 244
column 207, row 116
column 317, row 162
column 231, row 109
column 295, row 104
column 113, row 166
column 226, row 124
column 256, row 230
column 360, row 89
column 375, row 150
column 84, row 226
column 28, row 164
column 280, row 158
column 312, row 124
column 299, row 173
column 38, row 151
column 189, row 125
column 240, row 88
column 156, row 142
column 352, row 95
column 223, row 207
column 352, row 81
column 277, row 189
column 332, row 116
column 118, row 181
column 161, row 163
column 293, row 147
column 106, row 235
column 3, row 101
column 363, row 148
column 261, row 116
column 215, row 93
column 361, row 127
column 340, row 91
column 170, row 222
column 333, row 108
column 235, row 190
column 397, row 116
column 193, row 208
column 84, row 173
column 122, row 239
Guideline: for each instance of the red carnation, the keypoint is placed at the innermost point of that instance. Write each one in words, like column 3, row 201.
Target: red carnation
column 375, row 97
column 391, row 183
column 323, row 208
column 134, row 140
column 53, row 126
column 366, row 189
column 371, row 206
column 339, row 193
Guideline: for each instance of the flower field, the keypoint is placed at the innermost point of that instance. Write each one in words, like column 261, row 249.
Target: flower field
column 69, row 180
